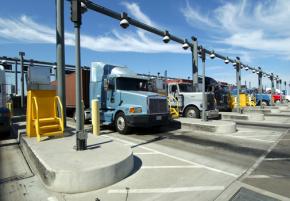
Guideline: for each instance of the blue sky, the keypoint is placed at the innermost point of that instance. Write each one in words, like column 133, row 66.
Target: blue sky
column 256, row 31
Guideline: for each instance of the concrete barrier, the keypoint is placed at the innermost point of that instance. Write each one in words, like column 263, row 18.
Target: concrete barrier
column 63, row 169
column 214, row 126
column 247, row 117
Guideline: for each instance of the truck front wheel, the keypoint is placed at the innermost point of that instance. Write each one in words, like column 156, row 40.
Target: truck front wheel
column 121, row 124
column 192, row 112
column 264, row 103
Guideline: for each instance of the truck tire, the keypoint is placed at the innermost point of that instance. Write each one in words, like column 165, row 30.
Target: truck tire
column 264, row 103
column 192, row 112
column 75, row 118
column 121, row 124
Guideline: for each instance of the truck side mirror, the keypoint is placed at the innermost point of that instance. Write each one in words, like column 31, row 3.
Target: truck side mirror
column 106, row 84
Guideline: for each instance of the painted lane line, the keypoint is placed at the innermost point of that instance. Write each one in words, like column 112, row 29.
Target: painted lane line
column 276, row 159
column 145, row 153
column 268, row 141
column 267, row 176
column 168, row 190
column 180, row 159
column 171, row 167
column 261, row 158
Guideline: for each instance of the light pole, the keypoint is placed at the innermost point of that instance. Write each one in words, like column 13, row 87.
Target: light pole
column 22, row 54
column 203, row 58
column 60, row 55
column 76, row 17
column 238, row 80
column 194, row 53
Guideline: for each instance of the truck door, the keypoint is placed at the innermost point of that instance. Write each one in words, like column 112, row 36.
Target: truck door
column 111, row 94
column 173, row 94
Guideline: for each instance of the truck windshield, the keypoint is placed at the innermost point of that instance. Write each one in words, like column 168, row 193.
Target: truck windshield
column 185, row 88
column 132, row 84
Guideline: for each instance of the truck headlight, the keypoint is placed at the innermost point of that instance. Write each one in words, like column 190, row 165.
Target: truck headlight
column 135, row 109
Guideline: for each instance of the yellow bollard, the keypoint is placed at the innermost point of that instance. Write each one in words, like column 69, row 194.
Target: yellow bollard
column 9, row 105
column 95, row 117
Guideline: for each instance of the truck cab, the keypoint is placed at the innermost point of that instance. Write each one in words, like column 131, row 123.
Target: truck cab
column 189, row 102
column 5, row 120
column 124, row 99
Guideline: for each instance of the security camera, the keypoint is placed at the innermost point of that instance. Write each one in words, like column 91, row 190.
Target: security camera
column 227, row 61
column 166, row 39
column 212, row 55
column 185, row 45
column 124, row 22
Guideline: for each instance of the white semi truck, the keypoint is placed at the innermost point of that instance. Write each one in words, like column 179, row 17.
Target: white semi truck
column 181, row 96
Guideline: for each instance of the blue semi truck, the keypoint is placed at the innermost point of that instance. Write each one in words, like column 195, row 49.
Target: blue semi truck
column 124, row 99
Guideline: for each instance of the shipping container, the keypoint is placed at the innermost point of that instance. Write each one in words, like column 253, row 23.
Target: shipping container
column 70, row 90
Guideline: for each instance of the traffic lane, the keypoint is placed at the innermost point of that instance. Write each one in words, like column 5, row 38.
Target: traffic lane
column 162, row 175
column 240, row 148
column 273, row 173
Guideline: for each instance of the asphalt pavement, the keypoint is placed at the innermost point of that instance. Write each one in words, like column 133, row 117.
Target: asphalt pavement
column 175, row 163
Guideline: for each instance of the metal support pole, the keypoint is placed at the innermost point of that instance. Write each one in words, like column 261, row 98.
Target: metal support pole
column 260, row 75
column 22, row 54
column 238, row 80
column 16, row 78
column 272, row 88
column 60, row 55
column 280, row 87
column 194, row 64
column 203, row 58
column 81, row 137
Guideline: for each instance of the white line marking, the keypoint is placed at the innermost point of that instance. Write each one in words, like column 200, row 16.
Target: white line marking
column 52, row 199
column 171, row 167
column 261, row 158
column 254, row 139
column 169, row 190
column 277, row 159
column 261, row 176
column 180, row 159
column 145, row 153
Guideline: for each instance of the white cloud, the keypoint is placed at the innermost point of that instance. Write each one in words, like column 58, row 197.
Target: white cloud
column 134, row 9
column 195, row 18
column 24, row 29
column 261, row 26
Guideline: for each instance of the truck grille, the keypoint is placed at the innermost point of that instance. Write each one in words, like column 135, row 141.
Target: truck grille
column 210, row 102
column 157, row 106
